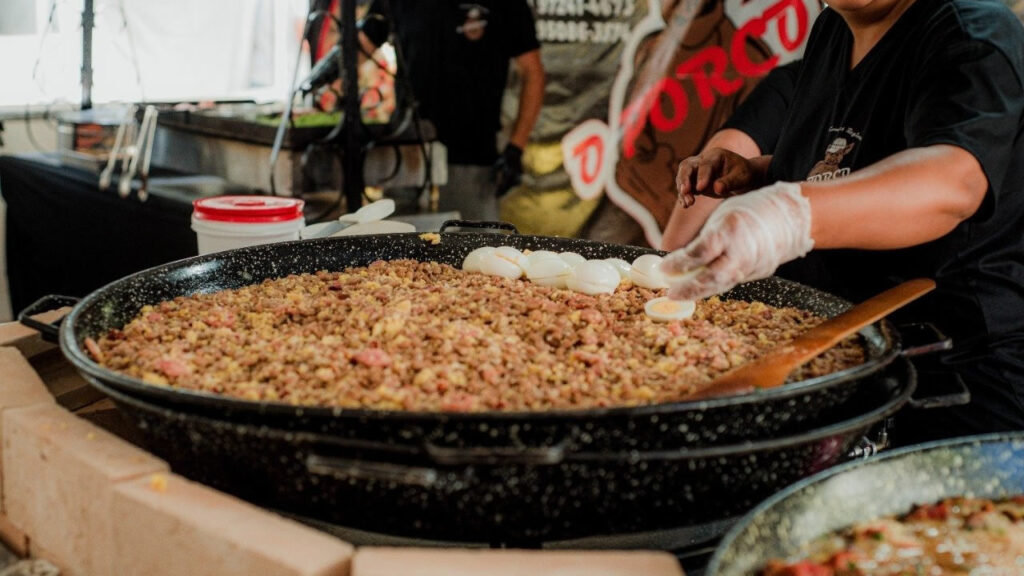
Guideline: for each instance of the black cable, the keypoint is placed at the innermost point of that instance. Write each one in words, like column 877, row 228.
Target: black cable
column 426, row 151
column 377, row 63
column 398, row 162
column 336, row 130
column 286, row 118
column 134, row 53
column 402, row 78
column 336, row 203
column 42, row 41
column 275, row 150
column 35, row 72
column 28, row 131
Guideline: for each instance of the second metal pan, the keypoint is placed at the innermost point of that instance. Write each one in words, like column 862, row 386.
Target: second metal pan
column 500, row 495
column 987, row 466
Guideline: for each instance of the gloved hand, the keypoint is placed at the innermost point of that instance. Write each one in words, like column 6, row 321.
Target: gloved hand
column 746, row 238
column 508, row 169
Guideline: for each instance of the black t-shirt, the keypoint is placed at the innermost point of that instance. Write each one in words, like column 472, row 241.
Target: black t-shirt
column 947, row 72
column 456, row 56
column 763, row 111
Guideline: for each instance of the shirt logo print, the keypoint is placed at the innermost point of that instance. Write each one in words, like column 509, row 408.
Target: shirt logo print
column 476, row 22
column 828, row 169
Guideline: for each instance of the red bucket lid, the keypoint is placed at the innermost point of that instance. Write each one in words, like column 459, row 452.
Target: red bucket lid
column 248, row 208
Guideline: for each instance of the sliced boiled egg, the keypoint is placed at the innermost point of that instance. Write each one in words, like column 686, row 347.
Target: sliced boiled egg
column 549, row 272
column 504, row 262
column 665, row 309
column 593, row 277
column 646, row 272
column 572, row 258
column 472, row 261
column 512, row 254
column 538, row 255
column 622, row 265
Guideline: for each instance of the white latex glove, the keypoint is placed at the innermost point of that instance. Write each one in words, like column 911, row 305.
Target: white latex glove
column 746, row 238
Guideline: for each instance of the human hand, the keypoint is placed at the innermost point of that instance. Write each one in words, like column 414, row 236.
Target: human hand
column 508, row 169
column 716, row 172
column 746, row 238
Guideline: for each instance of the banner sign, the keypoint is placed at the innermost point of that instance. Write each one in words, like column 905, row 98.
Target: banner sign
column 684, row 66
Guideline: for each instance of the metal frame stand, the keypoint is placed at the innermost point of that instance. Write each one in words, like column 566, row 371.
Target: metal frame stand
column 88, row 23
column 352, row 143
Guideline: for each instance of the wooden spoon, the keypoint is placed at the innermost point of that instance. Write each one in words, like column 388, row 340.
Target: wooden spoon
column 771, row 370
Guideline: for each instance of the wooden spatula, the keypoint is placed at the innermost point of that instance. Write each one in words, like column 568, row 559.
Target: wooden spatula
column 771, row 370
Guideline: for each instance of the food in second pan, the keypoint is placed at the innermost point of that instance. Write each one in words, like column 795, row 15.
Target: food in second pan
column 414, row 335
column 968, row 536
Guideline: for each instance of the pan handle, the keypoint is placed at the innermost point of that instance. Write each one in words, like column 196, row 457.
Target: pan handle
column 490, row 455
column 926, row 338
column 954, row 392
column 923, row 338
column 355, row 469
column 49, row 332
column 489, row 224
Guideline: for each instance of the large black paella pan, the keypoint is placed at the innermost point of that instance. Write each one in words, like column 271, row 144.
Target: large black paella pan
column 492, row 476
column 762, row 414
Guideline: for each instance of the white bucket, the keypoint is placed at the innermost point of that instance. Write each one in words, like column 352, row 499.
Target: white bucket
column 228, row 222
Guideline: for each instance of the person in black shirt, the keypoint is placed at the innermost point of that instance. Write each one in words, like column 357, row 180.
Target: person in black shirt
column 751, row 130
column 456, row 56
column 900, row 157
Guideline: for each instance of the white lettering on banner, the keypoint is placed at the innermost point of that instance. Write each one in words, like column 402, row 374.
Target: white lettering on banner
column 580, row 8
column 782, row 24
column 583, row 21
column 582, row 31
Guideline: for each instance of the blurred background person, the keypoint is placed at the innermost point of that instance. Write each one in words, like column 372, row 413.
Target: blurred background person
column 456, row 57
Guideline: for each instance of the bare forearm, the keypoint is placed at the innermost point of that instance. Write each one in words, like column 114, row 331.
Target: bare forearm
column 909, row 198
column 684, row 223
column 736, row 140
column 531, row 97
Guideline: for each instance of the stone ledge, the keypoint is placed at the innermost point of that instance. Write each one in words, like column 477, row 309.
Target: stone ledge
column 21, row 387
column 371, row 561
column 59, row 475
column 213, row 533
column 12, row 537
column 69, row 478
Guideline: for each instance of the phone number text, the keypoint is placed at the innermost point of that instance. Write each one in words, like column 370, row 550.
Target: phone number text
column 582, row 31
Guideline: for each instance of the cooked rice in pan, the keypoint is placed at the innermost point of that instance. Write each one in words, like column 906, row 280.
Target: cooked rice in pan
column 409, row 335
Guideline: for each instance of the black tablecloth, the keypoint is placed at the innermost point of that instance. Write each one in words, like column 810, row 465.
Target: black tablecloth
column 66, row 236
